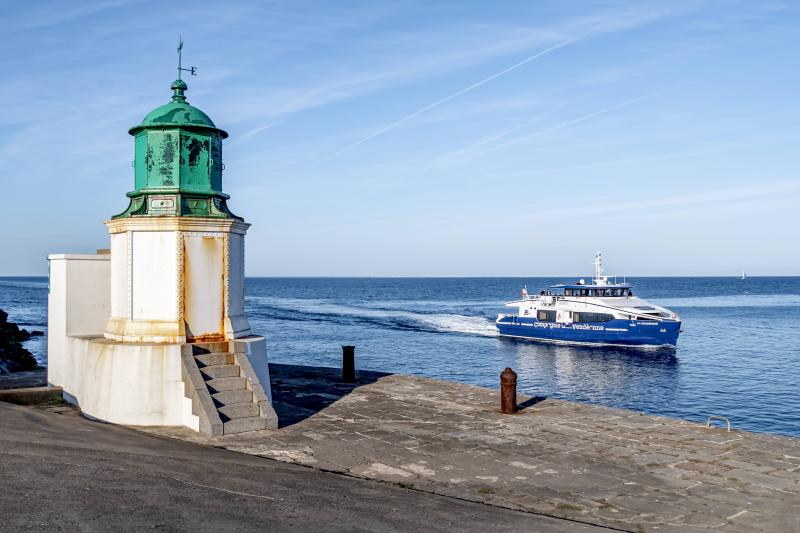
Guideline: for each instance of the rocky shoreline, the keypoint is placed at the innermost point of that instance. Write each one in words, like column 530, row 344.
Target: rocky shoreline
column 13, row 356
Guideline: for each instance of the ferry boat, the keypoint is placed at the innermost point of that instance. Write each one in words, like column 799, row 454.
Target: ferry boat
column 599, row 313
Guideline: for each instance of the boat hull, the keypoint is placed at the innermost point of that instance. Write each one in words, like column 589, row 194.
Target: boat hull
column 618, row 332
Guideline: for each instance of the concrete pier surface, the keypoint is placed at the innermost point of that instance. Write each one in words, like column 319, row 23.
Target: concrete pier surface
column 599, row 465
column 62, row 472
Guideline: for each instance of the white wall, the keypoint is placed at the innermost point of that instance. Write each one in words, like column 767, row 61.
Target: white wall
column 78, row 304
column 126, row 383
column 236, row 324
column 120, row 298
column 236, row 275
column 154, row 273
column 204, row 285
column 123, row 383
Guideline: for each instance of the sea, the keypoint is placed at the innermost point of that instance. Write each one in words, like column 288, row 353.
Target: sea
column 738, row 355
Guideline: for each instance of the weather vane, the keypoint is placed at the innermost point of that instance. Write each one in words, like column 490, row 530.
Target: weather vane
column 190, row 70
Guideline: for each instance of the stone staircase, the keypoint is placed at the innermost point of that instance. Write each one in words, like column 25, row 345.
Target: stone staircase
column 239, row 401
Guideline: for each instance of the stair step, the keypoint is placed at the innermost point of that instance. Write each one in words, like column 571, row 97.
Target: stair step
column 242, row 425
column 220, row 371
column 212, row 359
column 210, row 347
column 223, row 384
column 232, row 397
column 238, row 410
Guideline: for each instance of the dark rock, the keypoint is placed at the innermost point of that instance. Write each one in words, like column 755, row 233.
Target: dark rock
column 37, row 333
column 13, row 357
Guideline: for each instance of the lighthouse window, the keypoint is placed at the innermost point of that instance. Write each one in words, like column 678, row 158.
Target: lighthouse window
column 546, row 316
column 591, row 317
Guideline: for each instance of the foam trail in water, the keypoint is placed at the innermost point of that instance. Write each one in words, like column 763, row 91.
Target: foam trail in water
column 439, row 322
column 461, row 324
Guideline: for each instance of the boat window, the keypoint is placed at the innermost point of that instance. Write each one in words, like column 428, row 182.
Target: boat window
column 567, row 292
column 545, row 316
column 591, row 317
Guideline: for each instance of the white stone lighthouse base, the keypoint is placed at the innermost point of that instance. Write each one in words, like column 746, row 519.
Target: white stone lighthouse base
column 216, row 388
column 124, row 383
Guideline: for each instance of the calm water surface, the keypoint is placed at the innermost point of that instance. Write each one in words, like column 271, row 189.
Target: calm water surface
column 739, row 354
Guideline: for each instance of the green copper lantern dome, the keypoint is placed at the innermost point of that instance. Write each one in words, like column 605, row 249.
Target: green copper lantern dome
column 177, row 163
column 178, row 112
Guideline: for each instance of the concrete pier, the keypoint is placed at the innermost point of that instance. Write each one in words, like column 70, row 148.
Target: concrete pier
column 62, row 472
column 594, row 464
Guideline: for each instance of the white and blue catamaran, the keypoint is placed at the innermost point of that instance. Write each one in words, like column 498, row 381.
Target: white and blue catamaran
column 602, row 312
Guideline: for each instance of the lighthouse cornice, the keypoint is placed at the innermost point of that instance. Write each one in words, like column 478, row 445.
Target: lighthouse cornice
column 182, row 224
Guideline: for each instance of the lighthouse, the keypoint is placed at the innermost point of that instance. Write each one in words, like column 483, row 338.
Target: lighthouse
column 155, row 332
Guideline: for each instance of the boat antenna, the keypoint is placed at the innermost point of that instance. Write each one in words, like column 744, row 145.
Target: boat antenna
column 598, row 267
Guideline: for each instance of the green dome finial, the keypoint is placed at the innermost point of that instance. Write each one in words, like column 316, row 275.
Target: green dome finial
column 179, row 86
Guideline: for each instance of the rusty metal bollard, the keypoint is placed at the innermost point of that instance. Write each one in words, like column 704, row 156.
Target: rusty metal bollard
column 508, row 392
column 348, row 364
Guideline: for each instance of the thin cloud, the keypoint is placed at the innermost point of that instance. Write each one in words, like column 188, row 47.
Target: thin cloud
column 598, row 25
column 47, row 16
column 436, row 57
column 565, row 124
column 452, row 96
column 695, row 202
column 505, row 132
column 243, row 137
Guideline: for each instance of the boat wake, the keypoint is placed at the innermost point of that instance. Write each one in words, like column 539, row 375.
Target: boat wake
column 328, row 311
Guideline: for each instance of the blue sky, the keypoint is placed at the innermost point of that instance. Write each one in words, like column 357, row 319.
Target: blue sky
column 424, row 138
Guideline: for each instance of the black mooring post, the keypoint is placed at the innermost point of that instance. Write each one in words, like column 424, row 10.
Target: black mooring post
column 348, row 364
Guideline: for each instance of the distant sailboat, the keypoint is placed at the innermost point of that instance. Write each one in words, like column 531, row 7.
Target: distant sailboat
column 743, row 276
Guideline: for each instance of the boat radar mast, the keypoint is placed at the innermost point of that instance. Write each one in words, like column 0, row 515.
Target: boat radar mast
column 599, row 278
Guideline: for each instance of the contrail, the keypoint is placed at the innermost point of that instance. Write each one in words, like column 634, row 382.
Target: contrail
column 570, row 122
column 505, row 132
column 454, row 95
column 255, row 131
